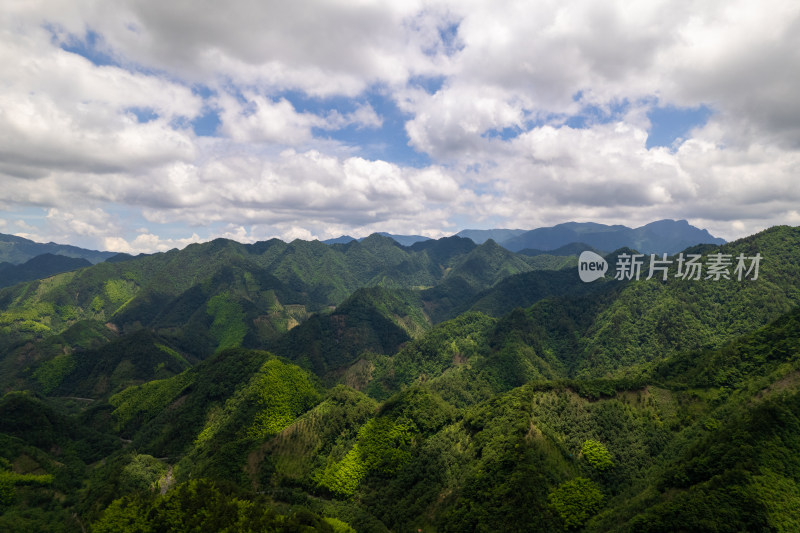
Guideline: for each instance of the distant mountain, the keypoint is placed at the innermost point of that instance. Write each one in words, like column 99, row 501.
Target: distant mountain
column 41, row 266
column 120, row 257
column 442, row 250
column 479, row 236
column 573, row 248
column 405, row 240
column 670, row 236
column 662, row 236
column 344, row 239
column 16, row 250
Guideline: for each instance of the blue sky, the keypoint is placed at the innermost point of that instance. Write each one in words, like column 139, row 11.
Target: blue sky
column 147, row 125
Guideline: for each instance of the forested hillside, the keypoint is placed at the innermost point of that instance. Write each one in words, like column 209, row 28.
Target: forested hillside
column 370, row 386
column 41, row 266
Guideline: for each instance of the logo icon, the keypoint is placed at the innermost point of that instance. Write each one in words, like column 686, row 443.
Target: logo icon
column 591, row 266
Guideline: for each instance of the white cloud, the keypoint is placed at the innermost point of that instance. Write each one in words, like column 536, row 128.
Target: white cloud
column 146, row 243
column 261, row 120
column 511, row 75
column 82, row 221
column 451, row 124
column 321, row 47
column 742, row 57
column 254, row 118
column 309, row 186
column 549, row 59
column 60, row 112
column 364, row 116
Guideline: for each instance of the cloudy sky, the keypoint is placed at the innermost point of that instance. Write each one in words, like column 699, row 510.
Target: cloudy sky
column 143, row 125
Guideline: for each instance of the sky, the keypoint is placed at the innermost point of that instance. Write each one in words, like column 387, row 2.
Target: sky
column 141, row 125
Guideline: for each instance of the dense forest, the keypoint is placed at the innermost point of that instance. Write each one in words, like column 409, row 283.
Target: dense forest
column 369, row 386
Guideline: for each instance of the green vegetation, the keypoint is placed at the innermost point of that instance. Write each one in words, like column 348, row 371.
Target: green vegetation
column 576, row 501
column 150, row 397
column 596, row 455
column 100, row 372
column 228, row 326
column 142, row 474
column 374, row 320
column 201, row 505
column 119, row 291
column 343, row 477
column 270, row 400
column 373, row 387
column 51, row 373
column 41, row 266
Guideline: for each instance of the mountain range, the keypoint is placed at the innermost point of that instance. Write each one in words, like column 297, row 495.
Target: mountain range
column 670, row 235
column 405, row 240
column 18, row 250
column 661, row 236
column 370, row 386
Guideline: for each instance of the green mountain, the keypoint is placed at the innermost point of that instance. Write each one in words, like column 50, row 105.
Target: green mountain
column 40, row 365
column 17, row 250
column 481, row 268
column 619, row 324
column 45, row 454
column 218, row 294
column 373, row 320
column 486, row 265
column 369, row 386
column 41, row 266
column 724, row 470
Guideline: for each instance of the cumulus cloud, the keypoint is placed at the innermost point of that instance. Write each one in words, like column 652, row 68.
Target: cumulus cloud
column 524, row 113
column 322, row 47
column 550, row 60
column 146, row 243
column 61, row 113
column 309, row 188
column 252, row 117
column 258, row 119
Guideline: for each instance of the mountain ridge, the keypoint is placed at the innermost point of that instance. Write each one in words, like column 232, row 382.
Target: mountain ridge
column 660, row 236
column 39, row 267
column 17, row 250
column 445, row 386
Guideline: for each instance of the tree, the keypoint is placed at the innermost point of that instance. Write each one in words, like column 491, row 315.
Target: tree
column 597, row 455
column 576, row 501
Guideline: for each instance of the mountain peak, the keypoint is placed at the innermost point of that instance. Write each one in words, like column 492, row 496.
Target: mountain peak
column 661, row 236
column 378, row 239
